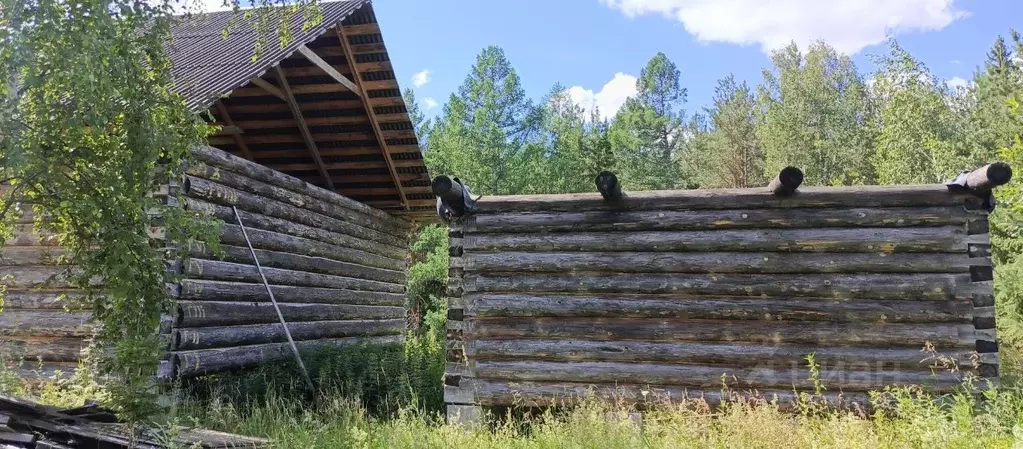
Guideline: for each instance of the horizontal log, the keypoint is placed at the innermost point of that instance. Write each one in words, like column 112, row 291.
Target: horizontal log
column 722, row 308
column 943, row 336
column 276, row 259
column 708, row 376
column 237, row 291
column 30, row 255
column 34, row 372
column 787, row 181
column 218, row 313
column 37, row 299
column 273, row 241
column 34, row 276
column 228, row 271
column 841, row 286
column 221, row 159
column 226, row 196
column 208, row 361
column 717, row 262
column 49, row 323
column 254, row 334
column 986, row 178
column 854, row 196
column 535, row 394
column 692, row 220
column 257, row 221
column 387, row 225
column 945, row 239
column 47, row 349
column 746, row 355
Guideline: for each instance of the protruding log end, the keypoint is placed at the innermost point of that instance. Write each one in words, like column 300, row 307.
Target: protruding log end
column 787, row 181
column 452, row 199
column 608, row 186
column 988, row 177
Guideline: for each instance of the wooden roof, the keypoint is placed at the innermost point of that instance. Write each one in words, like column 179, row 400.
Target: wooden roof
column 304, row 109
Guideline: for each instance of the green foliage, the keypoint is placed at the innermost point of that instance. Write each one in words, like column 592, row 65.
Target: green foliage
column 920, row 139
column 816, row 116
column 89, row 128
column 648, row 135
column 428, row 275
column 732, row 155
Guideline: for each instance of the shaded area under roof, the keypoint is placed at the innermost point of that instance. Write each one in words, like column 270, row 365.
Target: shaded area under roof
column 361, row 142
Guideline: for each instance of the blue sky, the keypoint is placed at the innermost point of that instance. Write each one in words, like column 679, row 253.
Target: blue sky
column 583, row 44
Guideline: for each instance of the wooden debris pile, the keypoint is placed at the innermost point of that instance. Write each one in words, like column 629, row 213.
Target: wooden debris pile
column 27, row 425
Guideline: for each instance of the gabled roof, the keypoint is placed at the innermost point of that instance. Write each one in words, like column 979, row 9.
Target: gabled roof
column 305, row 109
column 207, row 66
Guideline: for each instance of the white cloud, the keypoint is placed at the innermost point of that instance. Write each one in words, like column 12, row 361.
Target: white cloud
column 610, row 98
column 200, row 6
column 955, row 83
column 429, row 103
column 847, row 25
column 421, row 78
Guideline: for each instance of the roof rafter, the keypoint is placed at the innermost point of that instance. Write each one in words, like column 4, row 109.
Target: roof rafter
column 323, row 65
column 269, row 88
column 350, row 60
column 289, row 97
column 233, row 130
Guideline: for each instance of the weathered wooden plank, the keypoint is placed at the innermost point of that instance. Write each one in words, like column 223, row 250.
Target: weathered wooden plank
column 276, row 259
column 847, row 196
column 533, row 394
column 717, row 262
column 229, row 196
column 373, row 222
column 944, row 336
column 40, row 299
column 228, row 271
column 30, row 255
column 34, row 276
column 696, row 352
column 221, row 159
column 866, row 286
column 258, row 221
column 692, row 220
column 274, row 241
column 50, row 323
column 700, row 376
column 888, row 240
column 236, row 291
column 218, row 313
column 719, row 308
column 254, row 334
column 47, row 349
column 196, row 363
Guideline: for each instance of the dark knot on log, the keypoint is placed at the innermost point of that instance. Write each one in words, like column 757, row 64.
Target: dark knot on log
column 608, row 186
column 787, row 181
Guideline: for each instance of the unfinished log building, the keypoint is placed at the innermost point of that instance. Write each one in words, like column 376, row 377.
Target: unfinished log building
column 666, row 294
column 317, row 152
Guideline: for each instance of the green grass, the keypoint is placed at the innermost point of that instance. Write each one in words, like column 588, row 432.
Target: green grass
column 913, row 421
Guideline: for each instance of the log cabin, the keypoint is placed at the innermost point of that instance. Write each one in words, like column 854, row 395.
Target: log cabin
column 318, row 154
column 660, row 296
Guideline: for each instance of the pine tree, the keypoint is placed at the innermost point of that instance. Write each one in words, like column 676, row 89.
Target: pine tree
column 647, row 135
column 733, row 156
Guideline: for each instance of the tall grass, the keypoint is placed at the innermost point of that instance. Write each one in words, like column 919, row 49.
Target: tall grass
column 908, row 419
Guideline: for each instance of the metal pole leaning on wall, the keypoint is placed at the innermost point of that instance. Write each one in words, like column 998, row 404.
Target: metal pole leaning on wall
column 787, row 181
column 280, row 316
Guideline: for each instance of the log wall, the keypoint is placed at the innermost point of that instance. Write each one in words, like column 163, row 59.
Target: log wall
column 38, row 336
column 661, row 295
column 336, row 266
